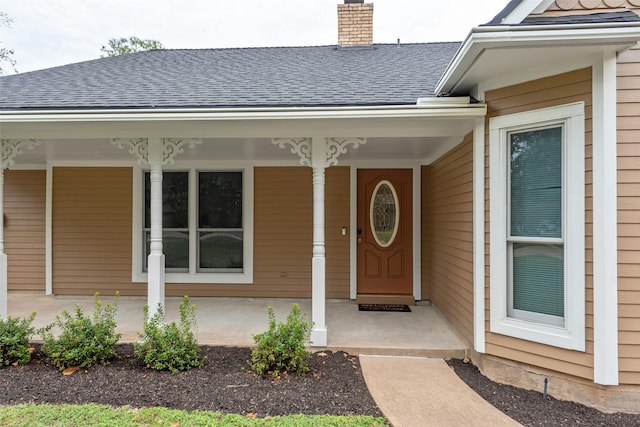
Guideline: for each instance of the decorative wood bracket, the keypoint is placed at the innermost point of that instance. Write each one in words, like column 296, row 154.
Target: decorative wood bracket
column 299, row 146
column 171, row 147
column 335, row 147
column 12, row 148
column 139, row 147
column 338, row 146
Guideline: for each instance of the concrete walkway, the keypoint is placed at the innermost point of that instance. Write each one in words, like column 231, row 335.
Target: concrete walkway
column 415, row 391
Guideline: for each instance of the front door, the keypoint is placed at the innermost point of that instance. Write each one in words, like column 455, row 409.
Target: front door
column 385, row 231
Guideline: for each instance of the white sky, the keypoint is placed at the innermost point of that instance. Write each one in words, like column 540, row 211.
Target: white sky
column 48, row 33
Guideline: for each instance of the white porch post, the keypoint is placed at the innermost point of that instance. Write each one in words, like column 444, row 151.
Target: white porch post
column 318, row 263
column 3, row 257
column 319, row 153
column 155, row 263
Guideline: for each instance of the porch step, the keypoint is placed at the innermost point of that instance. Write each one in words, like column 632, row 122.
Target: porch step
column 385, row 299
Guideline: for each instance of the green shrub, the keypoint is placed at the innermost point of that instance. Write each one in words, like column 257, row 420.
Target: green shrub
column 83, row 340
column 15, row 334
column 282, row 348
column 173, row 346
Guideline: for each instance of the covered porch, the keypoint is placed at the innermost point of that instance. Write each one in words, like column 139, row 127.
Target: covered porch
column 423, row 332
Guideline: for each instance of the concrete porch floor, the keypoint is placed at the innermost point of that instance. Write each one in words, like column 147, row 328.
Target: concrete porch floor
column 233, row 321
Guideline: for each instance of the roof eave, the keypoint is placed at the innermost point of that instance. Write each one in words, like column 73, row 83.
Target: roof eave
column 424, row 107
column 618, row 36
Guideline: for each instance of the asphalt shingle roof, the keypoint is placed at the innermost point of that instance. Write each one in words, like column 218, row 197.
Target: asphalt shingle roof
column 385, row 74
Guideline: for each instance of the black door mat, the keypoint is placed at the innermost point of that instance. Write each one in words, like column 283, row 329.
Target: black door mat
column 384, row 307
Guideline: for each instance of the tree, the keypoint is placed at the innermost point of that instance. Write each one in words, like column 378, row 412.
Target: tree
column 6, row 53
column 129, row 45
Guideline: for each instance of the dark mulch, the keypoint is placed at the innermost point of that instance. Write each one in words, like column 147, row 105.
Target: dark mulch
column 530, row 408
column 334, row 385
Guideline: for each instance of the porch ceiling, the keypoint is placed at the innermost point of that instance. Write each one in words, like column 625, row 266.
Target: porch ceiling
column 255, row 150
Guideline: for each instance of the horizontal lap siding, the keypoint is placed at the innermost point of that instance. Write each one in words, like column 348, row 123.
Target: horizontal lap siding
column 91, row 219
column 448, row 240
column 556, row 90
column 629, row 215
column 24, row 229
column 283, row 237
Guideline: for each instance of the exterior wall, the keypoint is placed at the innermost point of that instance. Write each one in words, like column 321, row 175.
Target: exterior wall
column 448, row 242
column 91, row 238
column 629, row 215
column 92, row 220
column 556, row 90
column 24, row 205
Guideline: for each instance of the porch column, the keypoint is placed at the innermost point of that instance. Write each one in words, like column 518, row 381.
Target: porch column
column 318, row 261
column 154, row 153
column 319, row 153
column 9, row 150
column 155, row 259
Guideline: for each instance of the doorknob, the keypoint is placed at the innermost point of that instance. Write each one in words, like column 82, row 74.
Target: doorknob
column 359, row 231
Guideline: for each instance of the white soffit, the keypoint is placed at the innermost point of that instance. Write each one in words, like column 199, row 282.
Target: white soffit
column 489, row 53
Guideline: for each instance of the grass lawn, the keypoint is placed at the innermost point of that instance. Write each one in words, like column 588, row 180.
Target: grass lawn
column 101, row 415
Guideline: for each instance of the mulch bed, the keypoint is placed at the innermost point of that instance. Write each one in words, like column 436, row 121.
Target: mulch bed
column 531, row 409
column 334, row 386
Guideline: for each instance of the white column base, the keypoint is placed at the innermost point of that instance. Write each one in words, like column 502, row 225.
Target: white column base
column 155, row 282
column 318, row 303
column 318, row 337
column 4, row 306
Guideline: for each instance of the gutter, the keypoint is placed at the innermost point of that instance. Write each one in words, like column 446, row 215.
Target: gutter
column 424, row 107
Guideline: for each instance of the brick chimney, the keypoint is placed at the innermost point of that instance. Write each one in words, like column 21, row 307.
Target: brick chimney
column 355, row 23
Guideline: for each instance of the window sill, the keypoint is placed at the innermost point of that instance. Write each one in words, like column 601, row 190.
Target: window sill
column 537, row 332
column 207, row 278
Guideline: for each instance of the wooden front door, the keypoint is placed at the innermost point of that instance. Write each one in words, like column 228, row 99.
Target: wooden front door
column 385, row 231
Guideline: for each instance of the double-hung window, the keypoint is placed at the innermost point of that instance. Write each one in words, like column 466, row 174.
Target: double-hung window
column 537, row 225
column 206, row 226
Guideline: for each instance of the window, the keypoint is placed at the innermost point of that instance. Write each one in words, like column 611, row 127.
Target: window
column 537, row 225
column 206, row 226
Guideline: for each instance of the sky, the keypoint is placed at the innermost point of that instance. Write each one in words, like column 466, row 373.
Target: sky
column 49, row 33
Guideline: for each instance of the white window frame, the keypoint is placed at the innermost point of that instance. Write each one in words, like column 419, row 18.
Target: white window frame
column 571, row 334
column 193, row 275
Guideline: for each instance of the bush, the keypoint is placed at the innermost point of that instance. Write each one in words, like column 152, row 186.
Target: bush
column 171, row 347
column 15, row 334
column 282, row 348
column 83, row 340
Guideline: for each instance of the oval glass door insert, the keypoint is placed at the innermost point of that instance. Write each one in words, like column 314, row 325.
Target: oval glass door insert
column 384, row 213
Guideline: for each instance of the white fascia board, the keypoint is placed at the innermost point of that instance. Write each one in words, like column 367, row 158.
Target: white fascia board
column 444, row 108
column 481, row 39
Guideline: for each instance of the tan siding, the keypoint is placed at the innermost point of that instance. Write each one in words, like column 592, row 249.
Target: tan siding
column 448, row 235
column 283, row 221
column 92, row 234
column 92, row 231
column 629, row 215
column 24, row 229
column 556, row 90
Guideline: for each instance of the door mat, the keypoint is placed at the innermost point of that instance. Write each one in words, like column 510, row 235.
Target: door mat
column 384, row 307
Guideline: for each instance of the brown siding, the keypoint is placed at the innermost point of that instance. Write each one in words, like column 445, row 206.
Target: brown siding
column 629, row 215
column 24, row 229
column 449, row 235
column 92, row 234
column 556, row 90
column 92, row 231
